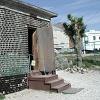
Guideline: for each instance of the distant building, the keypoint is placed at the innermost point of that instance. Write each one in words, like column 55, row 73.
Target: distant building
column 61, row 41
column 92, row 40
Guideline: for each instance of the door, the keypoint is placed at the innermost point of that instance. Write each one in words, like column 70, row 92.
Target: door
column 33, row 48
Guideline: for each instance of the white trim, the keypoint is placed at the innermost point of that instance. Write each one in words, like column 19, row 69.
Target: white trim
column 43, row 18
column 14, row 10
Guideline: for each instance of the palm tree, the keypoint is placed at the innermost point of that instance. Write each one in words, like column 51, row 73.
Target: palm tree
column 69, row 30
column 75, row 30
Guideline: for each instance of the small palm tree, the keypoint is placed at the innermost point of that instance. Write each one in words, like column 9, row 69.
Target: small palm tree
column 75, row 30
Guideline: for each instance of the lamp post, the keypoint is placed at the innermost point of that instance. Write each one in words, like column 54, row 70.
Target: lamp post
column 94, row 47
column 84, row 45
column 85, row 42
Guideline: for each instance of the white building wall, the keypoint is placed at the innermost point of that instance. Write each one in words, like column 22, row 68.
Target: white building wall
column 60, row 39
column 92, row 44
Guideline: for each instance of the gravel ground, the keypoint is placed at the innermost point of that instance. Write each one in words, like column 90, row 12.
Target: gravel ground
column 89, row 81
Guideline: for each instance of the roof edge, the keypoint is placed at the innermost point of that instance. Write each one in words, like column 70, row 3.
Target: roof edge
column 38, row 8
column 21, row 5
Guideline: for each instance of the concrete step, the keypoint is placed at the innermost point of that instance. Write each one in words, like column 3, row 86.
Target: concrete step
column 38, row 81
column 44, row 78
column 51, row 78
column 54, row 82
column 61, row 87
column 47, row 82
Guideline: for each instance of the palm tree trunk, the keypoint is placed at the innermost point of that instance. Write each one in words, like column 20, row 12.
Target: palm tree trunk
column 78, row 51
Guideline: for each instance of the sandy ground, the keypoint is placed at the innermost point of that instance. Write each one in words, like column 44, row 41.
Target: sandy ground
column 89, row 81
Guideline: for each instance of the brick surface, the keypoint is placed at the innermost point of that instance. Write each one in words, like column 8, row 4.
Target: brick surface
column 14, row 41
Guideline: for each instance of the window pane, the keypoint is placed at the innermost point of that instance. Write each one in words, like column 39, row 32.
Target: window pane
column 94, row 38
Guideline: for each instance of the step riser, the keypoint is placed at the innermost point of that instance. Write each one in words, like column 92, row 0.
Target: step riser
column 63, row 88
column 56, row 83
column 38, row 85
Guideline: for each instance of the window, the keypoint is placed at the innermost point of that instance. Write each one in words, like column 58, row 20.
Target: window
column 62, row 43
column 94, row 38
column 86, row 42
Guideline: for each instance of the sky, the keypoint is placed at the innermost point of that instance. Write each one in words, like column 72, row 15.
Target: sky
column 89, row 9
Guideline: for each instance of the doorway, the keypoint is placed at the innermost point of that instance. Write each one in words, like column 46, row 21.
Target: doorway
column 31, row 46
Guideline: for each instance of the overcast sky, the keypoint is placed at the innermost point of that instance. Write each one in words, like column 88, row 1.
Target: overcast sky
column 89, row 9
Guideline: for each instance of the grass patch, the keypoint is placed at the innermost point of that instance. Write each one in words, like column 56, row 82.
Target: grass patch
column 92, row 62
column 2, row 97
column 88, row 61
column 69, row 60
